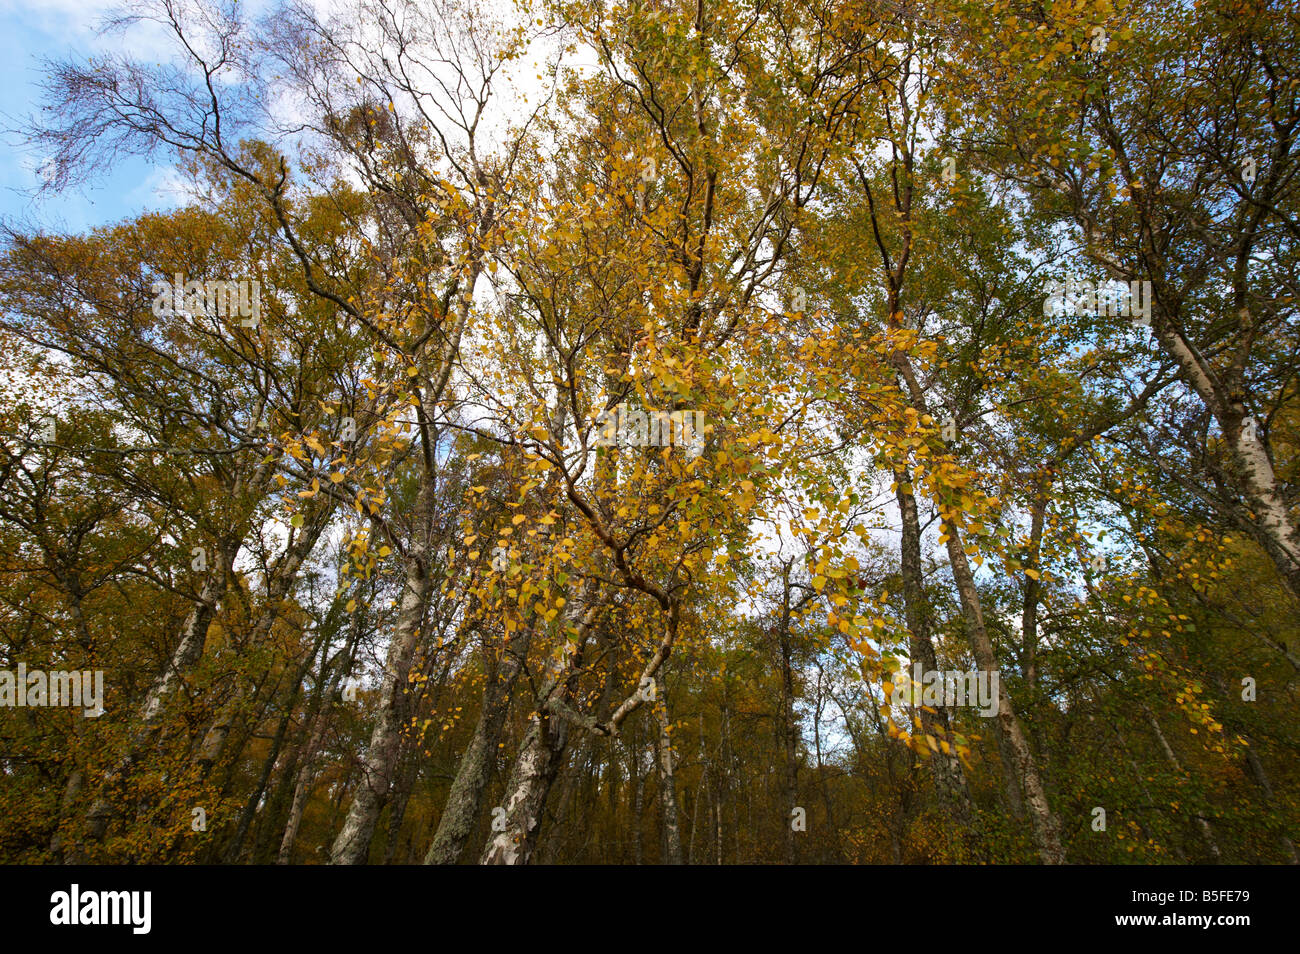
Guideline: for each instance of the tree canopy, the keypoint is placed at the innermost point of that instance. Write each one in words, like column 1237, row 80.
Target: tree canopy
column 608, row 432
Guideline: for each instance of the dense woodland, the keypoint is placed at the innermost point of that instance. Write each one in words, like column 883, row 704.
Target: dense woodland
column 367, row 586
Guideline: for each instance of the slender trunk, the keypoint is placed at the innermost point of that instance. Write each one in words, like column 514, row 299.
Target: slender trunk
column 1029, row 609
column 236, row 845
column 831, row 826
column 1261, row 778
column 585, row 774
column 1247, row 452
column 401, row 797
column 717, row 823
column 184, row 657
column 530, row 782
column 274, row 819
column 613, row 785
column 1017, row 758
column 1021, row 760
column 1149, row 799
column 667, row 780
column 574, row 778
column 543, row 749
column 698, row 802
column 72, row 789
column 637, row 780
column 306, row 769
column 301, row 790
column 352, row 846
column 281, row 580
column 1207, row 833
column 789, row 731
column 465, row 798
column 948, row 773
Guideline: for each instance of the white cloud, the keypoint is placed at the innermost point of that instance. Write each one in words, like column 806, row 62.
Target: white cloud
column 164, row 187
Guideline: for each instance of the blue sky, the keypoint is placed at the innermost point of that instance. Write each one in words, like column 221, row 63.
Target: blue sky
column 29, row 31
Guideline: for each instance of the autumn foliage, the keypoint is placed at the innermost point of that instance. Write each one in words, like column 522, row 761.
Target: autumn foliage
column 369, row 582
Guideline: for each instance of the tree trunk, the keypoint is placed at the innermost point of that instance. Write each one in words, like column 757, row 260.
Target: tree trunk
column 1207, row 833
column 1021, row 760
column 301, row 789
column 667, row 780
column 352, row 846
column 280, row 583
column 1251, row 467
column 543, row 748
column 188, row 651
column 236, row 845
column 1017, row 758
column 948, row 773
column 789, row 729
column 1029, row 609
column 1261, row 778
column 465, row 798
column 530, row 782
